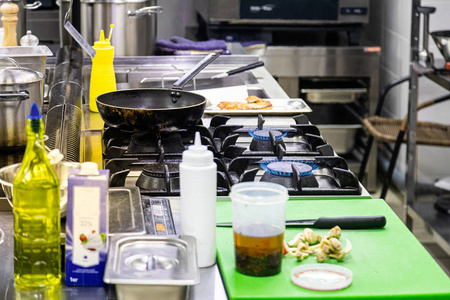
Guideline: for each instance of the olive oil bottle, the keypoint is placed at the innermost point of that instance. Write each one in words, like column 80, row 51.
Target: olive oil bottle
column 37, row 223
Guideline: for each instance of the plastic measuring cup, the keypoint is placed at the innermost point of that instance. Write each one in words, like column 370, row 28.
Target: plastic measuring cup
column 259, row 215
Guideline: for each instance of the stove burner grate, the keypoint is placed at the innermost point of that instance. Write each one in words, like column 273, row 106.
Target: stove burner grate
column 284, row 167
column 161, row 170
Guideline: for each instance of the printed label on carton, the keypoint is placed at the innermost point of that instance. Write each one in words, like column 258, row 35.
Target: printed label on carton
column 87, row 228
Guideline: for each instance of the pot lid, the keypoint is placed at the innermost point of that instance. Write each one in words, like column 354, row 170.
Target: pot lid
column 152, row 260
column 19, row 75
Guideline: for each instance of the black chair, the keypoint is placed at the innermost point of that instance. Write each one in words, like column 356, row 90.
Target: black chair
column 388, row 130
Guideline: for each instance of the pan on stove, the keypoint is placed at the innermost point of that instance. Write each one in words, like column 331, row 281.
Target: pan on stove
column 154, row 109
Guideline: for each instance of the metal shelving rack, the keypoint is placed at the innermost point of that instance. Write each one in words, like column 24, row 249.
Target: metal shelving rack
column 411, row 146
column 438, row 222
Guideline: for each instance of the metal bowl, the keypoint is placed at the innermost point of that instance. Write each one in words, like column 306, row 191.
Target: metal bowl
column 62, row 169
column 442, row 40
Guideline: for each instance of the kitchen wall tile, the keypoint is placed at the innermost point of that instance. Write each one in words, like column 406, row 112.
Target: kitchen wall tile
column 391, row 21
column 432, row 163
column 396, row 47
column 396, row 12
column 404, row 17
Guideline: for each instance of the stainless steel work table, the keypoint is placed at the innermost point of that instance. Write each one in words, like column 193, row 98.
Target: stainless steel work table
column 210, row 280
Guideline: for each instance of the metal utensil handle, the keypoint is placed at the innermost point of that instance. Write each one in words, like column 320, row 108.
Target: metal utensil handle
column 14, row 96
column 77, row 36
column 144, row 11
column 351, row 222
column 426, row 11
column 34, row 5
column 194, row 71
column 245, row 68
column 11, row 60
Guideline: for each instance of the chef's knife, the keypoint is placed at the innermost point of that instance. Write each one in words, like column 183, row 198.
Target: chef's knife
column 327, row 223
column 239, row 70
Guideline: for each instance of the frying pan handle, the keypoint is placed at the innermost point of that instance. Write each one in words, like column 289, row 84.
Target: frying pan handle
column 178, row 86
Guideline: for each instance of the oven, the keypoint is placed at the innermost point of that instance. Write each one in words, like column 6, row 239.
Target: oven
column 291, row 12
column 315, row 51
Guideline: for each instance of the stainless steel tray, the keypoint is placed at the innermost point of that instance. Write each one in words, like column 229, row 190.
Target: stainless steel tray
column 163, row 267
column 34, row 58
column 125, row 211
column 288, row 106
column 333, row 95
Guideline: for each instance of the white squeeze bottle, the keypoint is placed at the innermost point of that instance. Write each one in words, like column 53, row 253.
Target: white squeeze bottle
column 198, row 191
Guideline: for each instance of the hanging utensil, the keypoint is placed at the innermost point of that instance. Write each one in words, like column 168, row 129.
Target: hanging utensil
column 425, row 56
column 76, row 35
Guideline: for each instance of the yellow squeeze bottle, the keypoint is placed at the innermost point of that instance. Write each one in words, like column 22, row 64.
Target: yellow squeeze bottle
column 103, row 79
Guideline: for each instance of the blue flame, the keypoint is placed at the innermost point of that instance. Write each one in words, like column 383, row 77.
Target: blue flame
column 266, row 138
column 264, row 165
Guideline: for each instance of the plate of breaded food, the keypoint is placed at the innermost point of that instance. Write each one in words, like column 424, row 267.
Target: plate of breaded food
column 256, row 105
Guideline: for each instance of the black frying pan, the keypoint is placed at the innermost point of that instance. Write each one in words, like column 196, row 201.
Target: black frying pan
column 154, row 109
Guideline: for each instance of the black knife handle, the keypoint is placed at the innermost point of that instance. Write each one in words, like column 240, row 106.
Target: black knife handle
column 245, row 68
column 351, row 222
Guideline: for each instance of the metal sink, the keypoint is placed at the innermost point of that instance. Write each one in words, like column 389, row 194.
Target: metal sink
column 166, row 70
column 131, row 71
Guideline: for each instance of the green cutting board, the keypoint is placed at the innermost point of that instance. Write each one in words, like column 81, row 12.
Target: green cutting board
column 386, row 263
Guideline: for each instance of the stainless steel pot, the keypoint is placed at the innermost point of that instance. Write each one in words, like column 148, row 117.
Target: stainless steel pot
column 19, row 88
column 21, row 28
column 134, row 20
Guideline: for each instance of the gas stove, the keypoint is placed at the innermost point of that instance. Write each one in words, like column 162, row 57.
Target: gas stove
column 296, row 156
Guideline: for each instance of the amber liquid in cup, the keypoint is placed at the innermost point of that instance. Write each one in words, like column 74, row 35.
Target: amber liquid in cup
column 258, row 249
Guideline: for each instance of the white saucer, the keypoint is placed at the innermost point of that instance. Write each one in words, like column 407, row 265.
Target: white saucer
column 321, row 277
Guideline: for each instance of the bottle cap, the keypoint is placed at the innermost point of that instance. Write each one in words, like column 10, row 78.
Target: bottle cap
column 197, row 154
column 29, row 40
column 34, row 112
column 35, row 117
column 102, row 42
column 89, row 168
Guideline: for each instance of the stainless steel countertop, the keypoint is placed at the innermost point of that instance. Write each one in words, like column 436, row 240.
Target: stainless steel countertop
column 210, row 279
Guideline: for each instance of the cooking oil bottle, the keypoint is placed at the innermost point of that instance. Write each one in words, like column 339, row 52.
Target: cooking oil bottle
column 103, row 79
column 37, row 223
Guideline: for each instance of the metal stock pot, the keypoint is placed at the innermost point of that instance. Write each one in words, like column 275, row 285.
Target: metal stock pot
column 19, row 88
column 134, row 20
